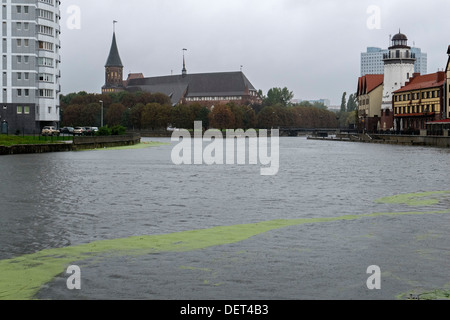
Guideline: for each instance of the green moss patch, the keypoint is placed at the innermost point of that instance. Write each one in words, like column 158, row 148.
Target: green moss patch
column 415, row 199
column 22, row 277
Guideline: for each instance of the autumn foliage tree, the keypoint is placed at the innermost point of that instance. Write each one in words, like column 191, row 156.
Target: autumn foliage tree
column 146, row 111
column 221, row 117
column 114, row 114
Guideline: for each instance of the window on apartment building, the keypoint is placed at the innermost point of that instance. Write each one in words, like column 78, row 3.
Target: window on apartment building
column 19, row 42
column 26, row 59
column 45, row 14
column 19, row 92
column 25, row 9
column 27, row 92
column 26, row 75
column 45, row 93
column 19, row 76
column 19, row 9
column 26, row 42
column 26, row 110
column 19, row 25
column 19, row 59
column 46, row 45
column 26, row 26
column 45, row 62
column 19, row 110
column 46, row 77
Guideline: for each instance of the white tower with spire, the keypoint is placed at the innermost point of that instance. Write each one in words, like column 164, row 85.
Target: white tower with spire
column 398, row 68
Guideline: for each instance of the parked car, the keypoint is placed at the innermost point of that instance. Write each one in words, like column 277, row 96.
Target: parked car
column 88, row 131
column 50, row 131
column 78, row 131
column 95, row 129
column 67, row 130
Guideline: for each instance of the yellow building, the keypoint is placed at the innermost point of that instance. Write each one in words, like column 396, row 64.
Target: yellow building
column 420, row 101
column 370, row 97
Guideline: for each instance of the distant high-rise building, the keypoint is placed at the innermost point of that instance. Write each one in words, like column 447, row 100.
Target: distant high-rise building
column 372, row 61
column 30, row 79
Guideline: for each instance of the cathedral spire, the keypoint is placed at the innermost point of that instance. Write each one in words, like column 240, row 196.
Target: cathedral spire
column 184, row 71
column 114, row 57
column 113, row 68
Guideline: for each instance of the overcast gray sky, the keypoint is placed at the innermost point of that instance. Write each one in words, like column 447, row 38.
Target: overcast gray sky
column 312, row 47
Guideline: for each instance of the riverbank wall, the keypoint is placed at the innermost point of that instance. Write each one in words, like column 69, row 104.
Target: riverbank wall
column 407, row 140
column 154, row 133
column 78, row 143
column 100, row 142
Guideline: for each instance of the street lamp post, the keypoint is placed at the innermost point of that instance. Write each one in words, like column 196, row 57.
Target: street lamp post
column 102, row 114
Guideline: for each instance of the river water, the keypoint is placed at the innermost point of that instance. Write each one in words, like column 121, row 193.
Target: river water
column 64, row 200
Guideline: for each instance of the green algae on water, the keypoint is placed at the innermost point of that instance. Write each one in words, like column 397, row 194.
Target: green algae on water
column 414, row 199
column 22, row 277
column 429, row 295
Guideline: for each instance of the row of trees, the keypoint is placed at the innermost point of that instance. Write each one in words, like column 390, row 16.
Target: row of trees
column 348, row 114
column 145, row 111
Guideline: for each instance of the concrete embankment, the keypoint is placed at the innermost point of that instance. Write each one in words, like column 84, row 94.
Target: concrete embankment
column 431, row 141
column 79, row 143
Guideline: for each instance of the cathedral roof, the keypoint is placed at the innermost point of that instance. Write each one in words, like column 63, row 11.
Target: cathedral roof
column 114, row 57
column 220, row 84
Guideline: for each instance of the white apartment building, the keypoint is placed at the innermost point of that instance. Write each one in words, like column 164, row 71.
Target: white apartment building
column 30, row 81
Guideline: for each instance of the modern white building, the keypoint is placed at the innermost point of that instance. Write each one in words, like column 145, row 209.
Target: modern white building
column 372, row 61
column 30, row 81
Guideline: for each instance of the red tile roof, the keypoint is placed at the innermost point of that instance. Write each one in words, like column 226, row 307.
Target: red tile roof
column 369, row 82
column 135, row 76
column 426, row 81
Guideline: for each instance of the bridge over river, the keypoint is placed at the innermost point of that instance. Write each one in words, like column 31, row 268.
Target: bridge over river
column 322, row 132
